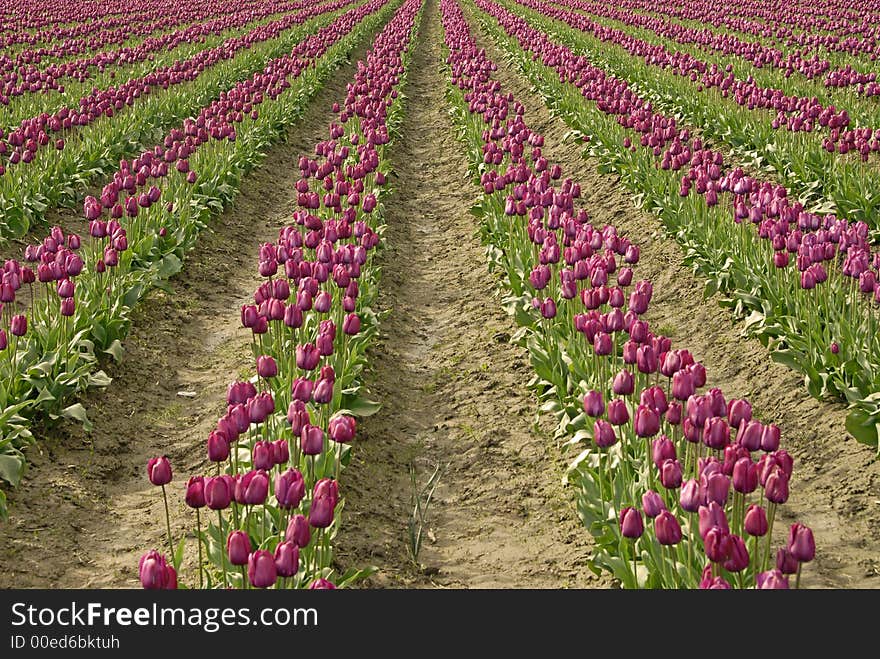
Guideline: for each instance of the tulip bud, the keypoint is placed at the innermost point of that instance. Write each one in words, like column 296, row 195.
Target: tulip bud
column 776, row 487
column 324, row 499
column 603, row 434
column 262, row 456
column 298, row 531
column 662, row 449
column 18, row 325
column 321, row 584
column 593, row 404
column 238, row 547
column 785, row 562
column 218, row 447
column 286, row 559
column 772, row 580
column 342, row 429
column 252, row 488
column 312, row 440
column 712, row 516
column 755, row 522
column 738, row 558
column 195, row 492
column 218, row 492
column 647, row 422
column 667, row 529
column 155, row 573
column 801, row 543
column 690, row 497
column 624, row 383
column 670, row 474
column 617, row 412
column 266, row 367
column 262, row 572
column 631, row 523
column 652, row 504
column 159, row 470
column 745, row 476
column 289, row 488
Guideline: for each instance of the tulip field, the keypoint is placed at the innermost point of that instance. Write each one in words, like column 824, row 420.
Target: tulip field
column 320, row 294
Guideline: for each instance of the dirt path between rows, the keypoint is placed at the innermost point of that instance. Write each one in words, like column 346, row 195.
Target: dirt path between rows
column 85, row 512
column 453, row 390
column 836, row 485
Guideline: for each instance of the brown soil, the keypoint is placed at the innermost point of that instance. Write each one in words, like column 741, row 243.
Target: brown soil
column 836, row 484
column 85, row 512
column 453, row 390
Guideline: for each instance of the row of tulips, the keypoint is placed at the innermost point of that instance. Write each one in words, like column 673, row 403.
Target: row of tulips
column 679, row 488
column 285, row 436
column 61, row 154
column 756, row 53
column 74, row 295
column 34, row 22
column 737, row 112
column 806, row 283
column 23, row 74
column 809, row 57
column 831, row 26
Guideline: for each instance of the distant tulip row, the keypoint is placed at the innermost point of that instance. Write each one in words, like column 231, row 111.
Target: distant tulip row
column 51, row 158
column 808, row 283
column 70, row 300
column 736, row 113
column 679, row 488
column 23, row 75
column 283, row 441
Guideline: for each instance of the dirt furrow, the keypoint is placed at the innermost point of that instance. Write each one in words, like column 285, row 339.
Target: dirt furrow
column 836, row 484
column 453, row 390
column 86, row 511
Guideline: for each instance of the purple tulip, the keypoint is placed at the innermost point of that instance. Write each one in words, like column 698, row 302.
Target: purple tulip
column 195, row 492
column 712, row 516
column 738, row 558
column 252, row 488
column 745, row 476
column 670, row 474
column 321, row 584
column 801, row 543
column 290, row 488
column 717, row 545
column 307, row 356
column 324, row 499
column 755, row 522
column 667, row 529
column 739, row 411
column 652, row 504
column 155, row 573
column 342, row 429
column 603, row 434
column 286, row 559
column 776, row 487
column 298, row 531
column 772, row 580
column 266, row 367
column 786, row 562
column 218, row 447
column 683, row 386
column 624, row 383
column 690, row 497
column 593, row 404
column 351, row 324
column 159, row 470
column 18, row 325
column 262, row 456
column 631, row 523
column 238, row 547
column 662, row 449
column 218, row 491
column 262, row 571
column 312, row 440
column 647, row 422
column 617, row 412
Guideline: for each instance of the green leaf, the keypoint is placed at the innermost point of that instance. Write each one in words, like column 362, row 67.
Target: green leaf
column 78, row 413
column 12, row 468
column 359, row 406
column 115, row 350
column 169, row 266
column 863, row 426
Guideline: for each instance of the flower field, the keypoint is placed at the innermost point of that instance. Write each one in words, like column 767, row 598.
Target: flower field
column 439, row 293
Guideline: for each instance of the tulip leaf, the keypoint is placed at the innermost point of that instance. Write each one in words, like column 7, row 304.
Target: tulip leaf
column 863, row 426
column 12, row 468
column 99, row 379
column 115, row 350
column 78, row 413
column 359, row 406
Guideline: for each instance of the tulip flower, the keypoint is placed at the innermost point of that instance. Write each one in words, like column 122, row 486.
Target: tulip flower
column 155, row 573
column 218, row 492
column 262, row 572
column 321, row 584
column 631, row 523
column 298, row 531
column 652, row 504
column 252, row 488
column 801, row 543
column 617, row 412
column 323, row 504
column 195, row 492
column 667, row 529
column 755, row 522
column 238, row 547
column 18, row 325
column 772, row 580
column 342, row 429
column 289, row 488
column 603, row 434
column 266, row 367
column 286, row 559
column 593, row 404
column 159, row 470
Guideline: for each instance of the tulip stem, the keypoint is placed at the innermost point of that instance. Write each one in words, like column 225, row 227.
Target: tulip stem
column 244, row 578
column 199, row 539
column 771, row 515
column 222, row 551
column 797, row 580
column 168, row 523
column 635, row 568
